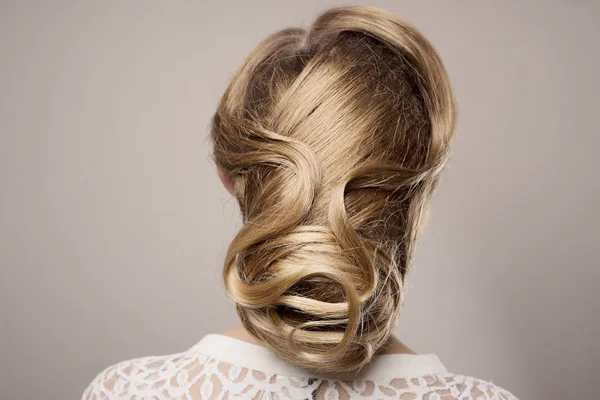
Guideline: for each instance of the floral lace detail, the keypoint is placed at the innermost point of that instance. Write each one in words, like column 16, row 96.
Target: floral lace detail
column 197, row 376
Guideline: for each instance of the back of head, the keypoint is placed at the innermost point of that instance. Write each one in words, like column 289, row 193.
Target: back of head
column 334, row 137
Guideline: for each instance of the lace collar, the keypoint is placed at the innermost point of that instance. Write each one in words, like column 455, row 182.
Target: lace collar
column 252, row 356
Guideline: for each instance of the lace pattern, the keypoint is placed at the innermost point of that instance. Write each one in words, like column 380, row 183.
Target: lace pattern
column 198, row 376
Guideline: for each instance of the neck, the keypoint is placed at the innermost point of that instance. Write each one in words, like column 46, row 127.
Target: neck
column 393, row 345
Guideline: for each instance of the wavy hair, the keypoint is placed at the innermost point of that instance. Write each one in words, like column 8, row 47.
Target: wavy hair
column 334, row 137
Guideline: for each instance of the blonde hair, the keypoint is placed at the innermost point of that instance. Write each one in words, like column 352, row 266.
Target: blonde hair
column 334, row 137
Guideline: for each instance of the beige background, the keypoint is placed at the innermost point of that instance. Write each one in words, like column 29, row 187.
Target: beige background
column 113, row 223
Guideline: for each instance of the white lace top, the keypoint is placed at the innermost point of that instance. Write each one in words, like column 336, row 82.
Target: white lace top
column 221, row 367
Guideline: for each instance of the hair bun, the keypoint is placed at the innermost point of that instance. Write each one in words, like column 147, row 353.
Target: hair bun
column 341, row 131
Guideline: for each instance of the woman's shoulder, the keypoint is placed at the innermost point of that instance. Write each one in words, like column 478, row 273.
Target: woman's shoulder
column 452, row 386
column 196, row 375
column 147, row 377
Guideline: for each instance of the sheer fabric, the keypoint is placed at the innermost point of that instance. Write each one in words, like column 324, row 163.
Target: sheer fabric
column 220, row 367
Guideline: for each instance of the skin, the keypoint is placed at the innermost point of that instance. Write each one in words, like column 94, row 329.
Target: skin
column 393, row 346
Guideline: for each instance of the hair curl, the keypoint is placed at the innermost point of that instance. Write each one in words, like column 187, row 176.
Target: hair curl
column 334, row 137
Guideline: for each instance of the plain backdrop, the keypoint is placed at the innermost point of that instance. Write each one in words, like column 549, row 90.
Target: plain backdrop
column 114, row 225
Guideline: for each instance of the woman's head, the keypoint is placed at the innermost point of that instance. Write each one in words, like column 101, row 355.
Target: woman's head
column 333, row 138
